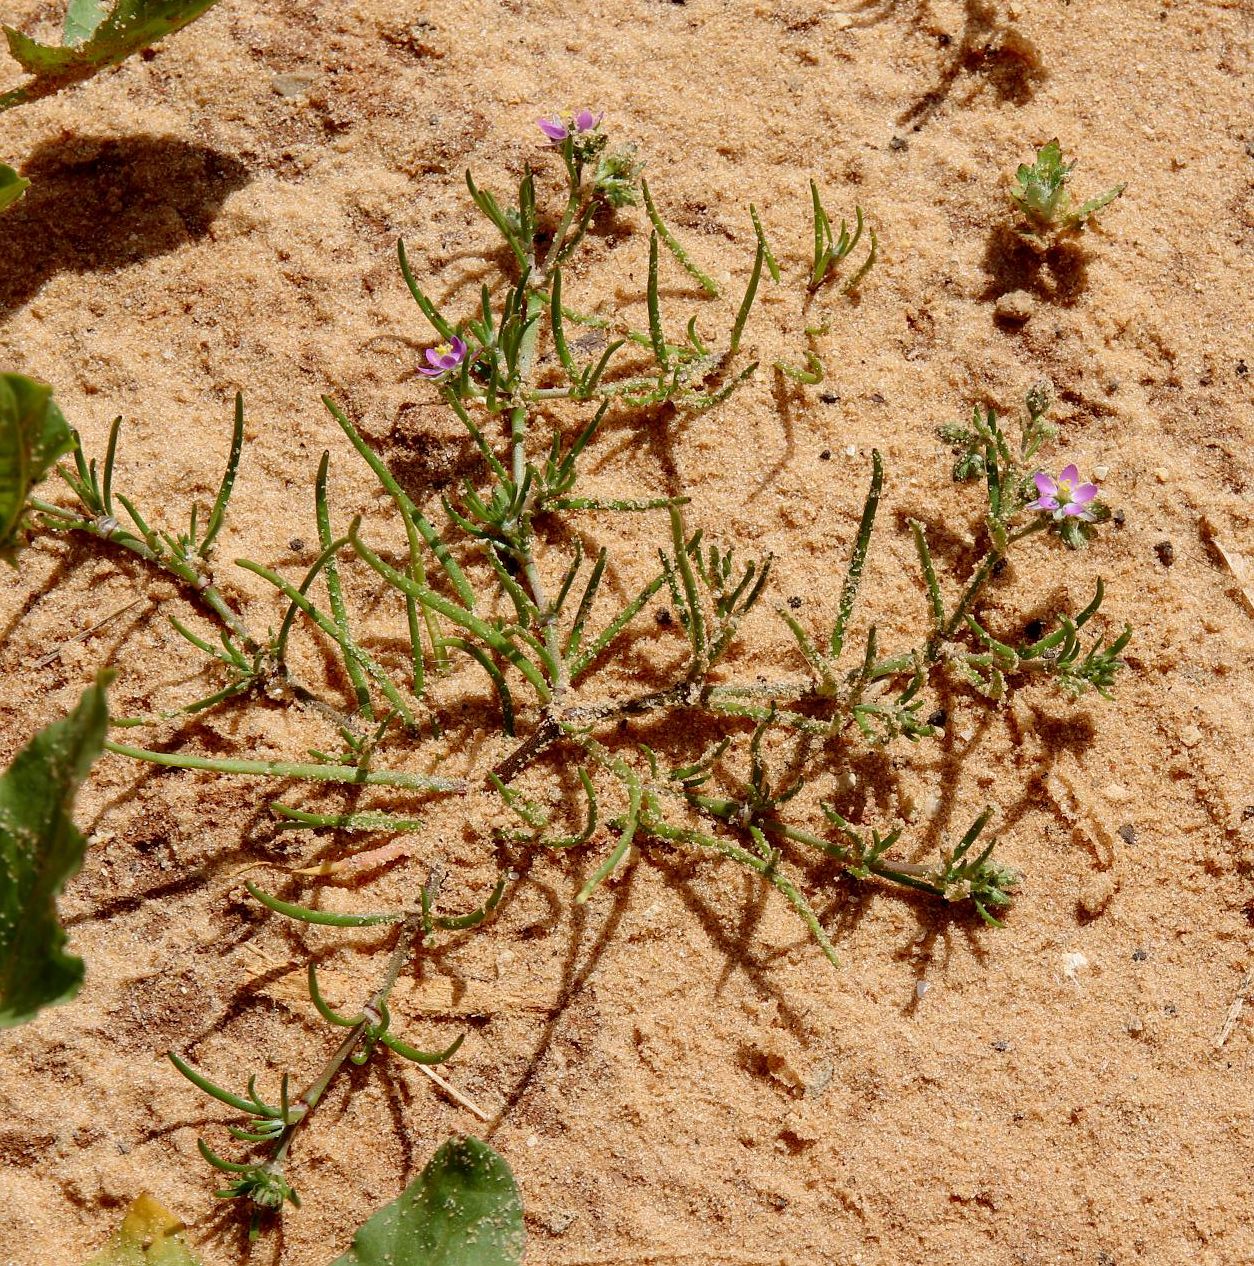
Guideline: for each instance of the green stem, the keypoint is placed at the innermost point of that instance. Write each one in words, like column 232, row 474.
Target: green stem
column 411, row 935
column 288, row 769
column 204, row 592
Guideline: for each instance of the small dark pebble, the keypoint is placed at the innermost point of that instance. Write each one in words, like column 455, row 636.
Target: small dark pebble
column 1166, row 552
column 938, row 718
column 944, row 39
column 999, row 566
column 1247, row 813
column 795, row 603
column 829, row 397
column 296, row 545
column 663, row 617
column 1001, row 1045
column 825, row 455
column 878, row 397
column 1118, row 518
column 1127, row 833
column 1242, row 368
column 1170, row 1009
column 1139, row 955
column 1248, row 911
column 1034, row 630
column 899, row 143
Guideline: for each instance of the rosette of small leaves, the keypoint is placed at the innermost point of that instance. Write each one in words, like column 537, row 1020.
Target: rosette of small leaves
column 1040, row 192
column 960, row 877
column 982, row 450
column 184, row 555
column 1059, row 654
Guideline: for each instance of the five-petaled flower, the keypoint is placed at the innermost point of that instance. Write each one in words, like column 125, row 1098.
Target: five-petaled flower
column 581, row 121
column 1064, row 496
column 442, row 358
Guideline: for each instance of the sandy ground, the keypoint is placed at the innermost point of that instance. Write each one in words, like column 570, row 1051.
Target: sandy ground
column 673, row 1071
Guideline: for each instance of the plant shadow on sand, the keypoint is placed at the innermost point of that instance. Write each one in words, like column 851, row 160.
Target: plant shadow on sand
column 987, row 51
column 99, row 204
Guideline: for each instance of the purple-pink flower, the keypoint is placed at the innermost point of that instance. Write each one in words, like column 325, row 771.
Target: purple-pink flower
column 581, row 121
column 1065, row 495
column 443, row 357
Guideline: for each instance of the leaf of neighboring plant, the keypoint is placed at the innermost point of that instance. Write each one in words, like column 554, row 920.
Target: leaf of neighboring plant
column 12, row 186
column 106, row 39
column 82, row 18
column 462, row 1210
column 40, row 848
column 33, row 434
column 150, row 1235
column 1096, row 204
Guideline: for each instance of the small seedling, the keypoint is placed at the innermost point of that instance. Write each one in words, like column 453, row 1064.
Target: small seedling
column 1040, row 192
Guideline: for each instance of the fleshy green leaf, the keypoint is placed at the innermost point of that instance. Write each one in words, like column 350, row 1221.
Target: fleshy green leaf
column 40, row 848
column 12, row 186
column 82, row 18
column 462, row 1210
column 33, row 434
column 150, row 1235
column 95, row 38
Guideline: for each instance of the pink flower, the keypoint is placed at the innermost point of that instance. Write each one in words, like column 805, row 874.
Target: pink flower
column 581, row 121
column 442, row 358
column 1064, row 496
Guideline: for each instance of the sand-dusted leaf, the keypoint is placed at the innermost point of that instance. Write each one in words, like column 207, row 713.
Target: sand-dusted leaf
column 12, row 186
column 462, row 1210
column 33, row 434
column 95, row 37
column 150, row 1235
column 40, row 848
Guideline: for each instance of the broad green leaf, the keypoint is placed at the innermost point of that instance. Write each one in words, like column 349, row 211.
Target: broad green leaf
column 12, row 186
column 150, row 1235
column 82, row 18
column 96, row 37
column 33, row 434
column 40, row 848
column 462, row 1210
